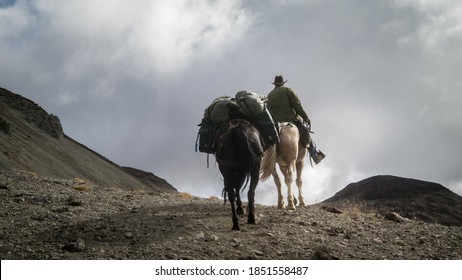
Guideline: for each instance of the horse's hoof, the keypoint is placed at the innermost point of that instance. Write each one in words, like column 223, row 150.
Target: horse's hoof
column 240, row 211
column 291, row 208
column 251, row 221
column 236, row 227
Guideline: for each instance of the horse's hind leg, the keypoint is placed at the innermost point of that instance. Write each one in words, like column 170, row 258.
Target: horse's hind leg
column 251, row 195
column 277, row 182
column 288, row 172
column 232, row 200
column 299, row 182
column 251, row 206
column 239, row 210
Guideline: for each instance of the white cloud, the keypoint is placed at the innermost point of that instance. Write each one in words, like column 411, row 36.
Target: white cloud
column 456, row 187
column 117, row 73
column 91, row 41
column 16, row 19
column 441, row 23
column 171, row 34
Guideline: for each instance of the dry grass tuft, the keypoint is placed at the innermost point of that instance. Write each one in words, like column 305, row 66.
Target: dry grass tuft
column 185, row 195
column 214, row 198
column 78, row 181
column 81, row 185
column 28, row 173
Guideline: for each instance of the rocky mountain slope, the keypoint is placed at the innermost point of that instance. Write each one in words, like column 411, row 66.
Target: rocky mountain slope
column 410, row 198
column 52, row 218
column 33, row 140
column 61, row 200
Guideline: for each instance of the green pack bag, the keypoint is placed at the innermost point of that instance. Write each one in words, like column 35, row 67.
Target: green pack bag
column 247, row 105
column 268, row 128
column 215, row 115
column 206, row 136
column 250, row 104
column 218, row 110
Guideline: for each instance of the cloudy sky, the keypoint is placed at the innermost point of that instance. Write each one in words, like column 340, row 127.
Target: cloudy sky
column 380, row 80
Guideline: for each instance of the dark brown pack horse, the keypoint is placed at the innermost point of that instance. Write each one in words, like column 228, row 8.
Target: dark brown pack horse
column 239, row 153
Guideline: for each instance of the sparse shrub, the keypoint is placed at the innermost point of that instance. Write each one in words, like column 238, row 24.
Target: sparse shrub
column 28, row 173
column 214, row 198
column 78, row 181
column 185, row 195
column 81, row 185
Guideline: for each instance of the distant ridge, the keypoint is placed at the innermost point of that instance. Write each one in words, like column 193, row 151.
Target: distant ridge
column 411, row 198
column 33, row 140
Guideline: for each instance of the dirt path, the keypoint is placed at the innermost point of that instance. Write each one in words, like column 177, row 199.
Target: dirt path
column 49, row 218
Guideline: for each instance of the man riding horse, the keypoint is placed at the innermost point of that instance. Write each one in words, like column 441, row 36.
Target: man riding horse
column 285, row 106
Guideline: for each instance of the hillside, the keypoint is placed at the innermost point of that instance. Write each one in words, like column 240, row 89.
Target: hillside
column 61, row 200
column 411, row 198
column 50, row 218
column 34, row 141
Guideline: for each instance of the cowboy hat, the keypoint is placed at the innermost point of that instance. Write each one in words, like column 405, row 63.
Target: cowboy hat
column 279, row 81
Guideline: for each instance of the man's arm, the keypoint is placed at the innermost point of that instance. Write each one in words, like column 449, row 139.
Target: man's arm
column 297, row 105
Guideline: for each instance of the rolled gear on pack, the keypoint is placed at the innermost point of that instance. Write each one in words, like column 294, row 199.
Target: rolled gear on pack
column 219, row 111
column 253, row 108
column 250, row 103
column 248, row 106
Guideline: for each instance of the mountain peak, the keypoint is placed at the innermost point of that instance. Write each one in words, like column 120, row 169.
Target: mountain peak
column 32, row 113
column 33, row 140
column 412, row 198
column 387, row 187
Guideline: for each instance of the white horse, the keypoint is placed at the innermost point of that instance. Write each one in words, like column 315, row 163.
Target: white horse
column 290, row 156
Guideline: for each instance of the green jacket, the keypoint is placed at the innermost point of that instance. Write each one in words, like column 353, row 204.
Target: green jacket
column 285, row 106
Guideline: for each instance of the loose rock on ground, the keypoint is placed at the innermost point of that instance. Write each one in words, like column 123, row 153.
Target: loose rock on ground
column 49, row 218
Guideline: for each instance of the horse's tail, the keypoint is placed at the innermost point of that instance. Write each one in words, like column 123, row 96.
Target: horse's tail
column 268, row 163
column 247, row 155
column 251, row 148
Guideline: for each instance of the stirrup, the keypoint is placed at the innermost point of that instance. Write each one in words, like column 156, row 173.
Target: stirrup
column 318, row 157
column 315, row 154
